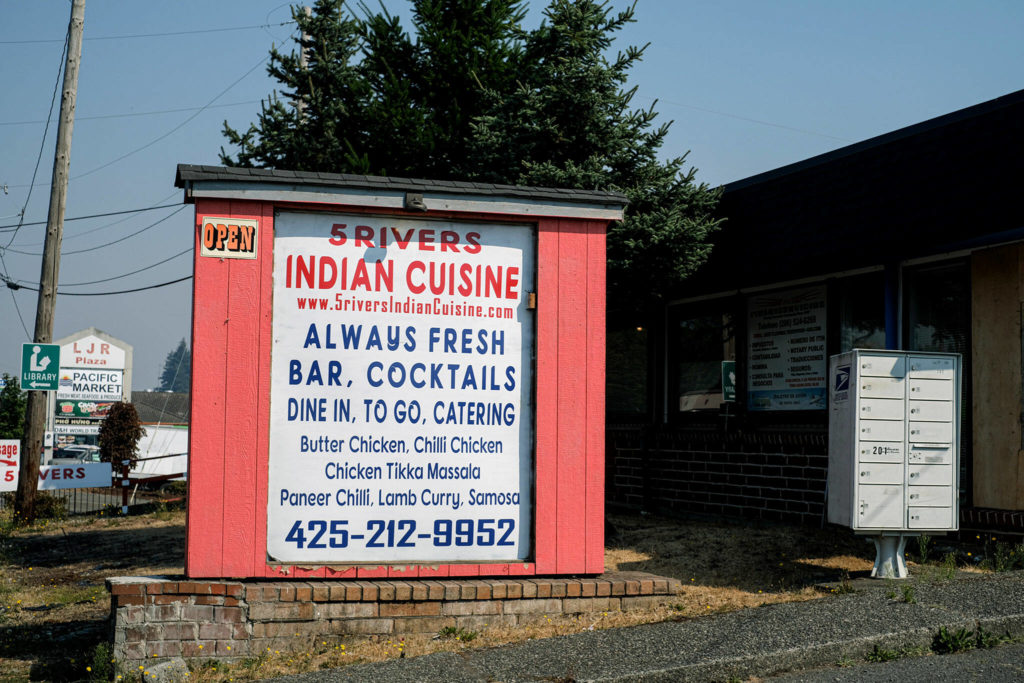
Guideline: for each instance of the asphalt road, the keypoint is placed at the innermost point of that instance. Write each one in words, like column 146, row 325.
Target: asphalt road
column 1001, row 664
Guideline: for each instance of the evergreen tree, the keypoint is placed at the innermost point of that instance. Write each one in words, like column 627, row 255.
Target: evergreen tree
column 475, row 96
column 12, row 409
column 177, row 372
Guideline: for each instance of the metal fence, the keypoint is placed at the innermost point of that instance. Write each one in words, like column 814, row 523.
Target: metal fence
column 140, row 489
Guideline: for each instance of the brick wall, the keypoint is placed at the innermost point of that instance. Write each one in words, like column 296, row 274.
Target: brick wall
column 776, row 476
column 157, row 617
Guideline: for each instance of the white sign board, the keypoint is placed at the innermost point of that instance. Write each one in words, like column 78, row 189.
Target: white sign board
column 74, row 476
column 786, row 342
column 79, row 384
column 92, row 352
column 401, row 424
column 77, row 427
column 10, row 461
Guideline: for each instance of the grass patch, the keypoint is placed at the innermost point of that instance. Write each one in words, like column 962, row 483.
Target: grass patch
column 880, row 654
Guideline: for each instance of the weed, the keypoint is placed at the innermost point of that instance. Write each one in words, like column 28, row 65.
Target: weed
column 890, row 590
column 1006, row 557
column 845, row 662
column 949, row 566
column 909, row 594
column 47, row 507
column 949, row 642
column 103, row 666
column 924, row 548
column 984, row 640
column 845, row 586
column 879, row 654
column 456, row 633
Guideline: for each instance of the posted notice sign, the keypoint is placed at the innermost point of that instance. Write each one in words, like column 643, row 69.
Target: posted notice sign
column 787, row 350
column 401, row 422
column 10, row 461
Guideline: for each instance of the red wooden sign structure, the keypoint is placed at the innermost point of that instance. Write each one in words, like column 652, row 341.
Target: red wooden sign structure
column 236, row 498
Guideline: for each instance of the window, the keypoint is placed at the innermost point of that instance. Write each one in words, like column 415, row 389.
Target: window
column 938, row 300
column 861, row 302
column 626, row 373
column 699, row 339
column 938, row 318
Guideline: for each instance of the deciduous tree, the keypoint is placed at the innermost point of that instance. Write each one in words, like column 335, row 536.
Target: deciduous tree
column 119, row 434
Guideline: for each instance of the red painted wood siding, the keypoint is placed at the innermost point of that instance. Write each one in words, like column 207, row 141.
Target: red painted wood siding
column 229, row 436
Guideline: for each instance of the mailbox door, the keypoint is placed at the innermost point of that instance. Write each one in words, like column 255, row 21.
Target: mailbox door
column 880, row 507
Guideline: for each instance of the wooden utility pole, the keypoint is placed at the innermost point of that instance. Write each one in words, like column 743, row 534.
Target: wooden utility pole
column 35, row 423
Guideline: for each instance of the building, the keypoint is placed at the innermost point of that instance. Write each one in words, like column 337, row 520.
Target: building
column 913, row 240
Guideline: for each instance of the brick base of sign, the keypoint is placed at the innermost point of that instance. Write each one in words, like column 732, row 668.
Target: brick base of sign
column 161, row 617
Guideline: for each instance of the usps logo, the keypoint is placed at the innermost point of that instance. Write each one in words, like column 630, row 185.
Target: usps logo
column 841, row 384
column 842, row 379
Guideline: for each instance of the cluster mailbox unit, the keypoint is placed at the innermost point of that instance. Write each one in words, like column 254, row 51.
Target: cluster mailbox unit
column 894, row 447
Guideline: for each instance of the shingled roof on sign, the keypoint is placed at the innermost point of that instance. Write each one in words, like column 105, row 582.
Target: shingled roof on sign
column 188, row 174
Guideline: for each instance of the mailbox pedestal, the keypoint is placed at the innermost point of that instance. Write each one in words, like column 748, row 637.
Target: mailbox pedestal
column 894, row 448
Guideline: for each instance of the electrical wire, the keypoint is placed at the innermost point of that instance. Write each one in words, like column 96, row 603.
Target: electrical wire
column 745, row 118
column 107, row 244
column 97, row 215
column 123, row 291
column 181, row 125
column 131, row 114
column 14, row 298
column 150, row 35
column 42, row 143
column 134, row 272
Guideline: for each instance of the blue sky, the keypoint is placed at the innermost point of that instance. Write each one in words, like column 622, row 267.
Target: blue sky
column 750, row 85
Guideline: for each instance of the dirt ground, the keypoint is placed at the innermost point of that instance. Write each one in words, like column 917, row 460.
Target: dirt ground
column 54, row 608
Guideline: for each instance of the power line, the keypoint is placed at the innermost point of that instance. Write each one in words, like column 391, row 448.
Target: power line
column 150, row 35
column 134, row 272
column 42, row 143
column 131, row 114
column 98, row 215
column 100, row 246
column 13, row 285
column 746, row 118
column 171, row 131
column 14, row 298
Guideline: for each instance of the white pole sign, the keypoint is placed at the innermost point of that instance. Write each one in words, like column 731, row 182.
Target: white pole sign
column 10, row 461
column 787, row 350
column 401, row 389
column 74, row 476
